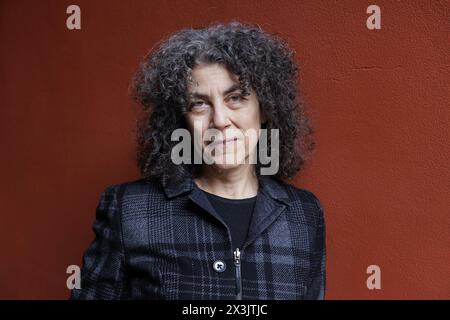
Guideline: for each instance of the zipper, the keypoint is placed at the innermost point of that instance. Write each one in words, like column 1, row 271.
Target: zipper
column 237, row 267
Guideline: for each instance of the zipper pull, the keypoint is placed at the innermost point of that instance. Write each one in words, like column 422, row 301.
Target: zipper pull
column 237, row 256
column 237, row 264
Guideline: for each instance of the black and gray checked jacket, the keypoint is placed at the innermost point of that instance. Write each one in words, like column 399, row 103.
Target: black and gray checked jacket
column 167, row 243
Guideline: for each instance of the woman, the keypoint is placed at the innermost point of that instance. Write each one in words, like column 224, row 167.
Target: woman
column 219, row 228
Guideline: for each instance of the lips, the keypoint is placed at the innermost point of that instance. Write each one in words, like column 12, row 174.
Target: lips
column 224, row 142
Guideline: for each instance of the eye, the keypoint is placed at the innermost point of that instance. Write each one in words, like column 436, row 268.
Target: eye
column 235, row 98
column 197, row 106
column 197, row 103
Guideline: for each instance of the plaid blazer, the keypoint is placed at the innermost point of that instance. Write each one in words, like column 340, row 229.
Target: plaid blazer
column 169, row 243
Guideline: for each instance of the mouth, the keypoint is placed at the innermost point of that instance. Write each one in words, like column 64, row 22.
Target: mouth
column 224, row 142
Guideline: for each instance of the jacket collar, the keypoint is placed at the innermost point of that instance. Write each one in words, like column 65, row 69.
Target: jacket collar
column 269, row 186
column 271, row 201
column 175, row 189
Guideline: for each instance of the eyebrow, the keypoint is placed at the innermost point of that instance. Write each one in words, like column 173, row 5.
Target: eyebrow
column 234, row 87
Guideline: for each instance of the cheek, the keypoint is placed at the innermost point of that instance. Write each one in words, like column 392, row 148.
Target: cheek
column 195, row 123
column 251, row 120
column 196, row 126
column 256, row 115
column 189, row 123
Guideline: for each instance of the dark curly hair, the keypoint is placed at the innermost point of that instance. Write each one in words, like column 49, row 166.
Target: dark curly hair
column 263, row 62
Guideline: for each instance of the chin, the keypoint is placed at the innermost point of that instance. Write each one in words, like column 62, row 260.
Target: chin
column 221, row 164
column 225, row 167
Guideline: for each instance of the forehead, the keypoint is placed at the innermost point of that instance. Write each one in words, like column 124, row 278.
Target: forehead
column 210, row 76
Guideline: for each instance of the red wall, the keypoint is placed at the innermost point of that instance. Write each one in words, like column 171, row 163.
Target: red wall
column 379, row 100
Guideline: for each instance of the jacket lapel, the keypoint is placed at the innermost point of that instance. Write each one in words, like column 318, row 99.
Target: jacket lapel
column 199, row 198
column 195, row 194
column 271, row 201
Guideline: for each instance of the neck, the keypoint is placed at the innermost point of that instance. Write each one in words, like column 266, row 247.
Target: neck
column 236, row 183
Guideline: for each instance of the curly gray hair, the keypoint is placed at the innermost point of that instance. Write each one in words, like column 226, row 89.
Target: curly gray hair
column 263, row 62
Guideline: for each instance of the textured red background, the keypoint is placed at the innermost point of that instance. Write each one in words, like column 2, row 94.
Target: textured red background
column 379, row 100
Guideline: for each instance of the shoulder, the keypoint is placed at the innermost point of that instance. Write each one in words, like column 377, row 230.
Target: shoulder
column 134, row 196
column 133, row 188
column 301, row 194
column 301, row 199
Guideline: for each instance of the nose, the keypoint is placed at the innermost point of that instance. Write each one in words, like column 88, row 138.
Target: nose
column 220, row 119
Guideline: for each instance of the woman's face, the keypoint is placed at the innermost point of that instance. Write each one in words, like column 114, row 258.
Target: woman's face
column 227, row 120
